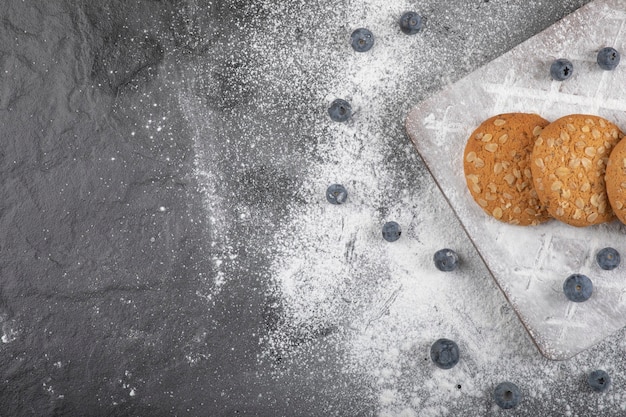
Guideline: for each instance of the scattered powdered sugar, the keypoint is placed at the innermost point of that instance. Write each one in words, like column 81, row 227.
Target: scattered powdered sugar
column 335, row 280
column 220, row 244
column 335, row 273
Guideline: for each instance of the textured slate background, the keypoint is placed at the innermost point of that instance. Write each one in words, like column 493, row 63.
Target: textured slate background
column 103, row 231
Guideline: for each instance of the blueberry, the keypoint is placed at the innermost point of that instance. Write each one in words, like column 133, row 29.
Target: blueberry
column 561, row 69
column 578, row 288
column 608, row 258
column 362, row 40
column 444, row 353
column 336, row 194
column 391, row 231
column 446, row 260
column 608, row 58
column 340, row 110
column 411, row 23
column 599, row 380
column 507, row 395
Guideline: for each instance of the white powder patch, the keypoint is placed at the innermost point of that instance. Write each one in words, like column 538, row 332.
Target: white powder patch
column 334, row 270
column 383, row 303
column 216, row 205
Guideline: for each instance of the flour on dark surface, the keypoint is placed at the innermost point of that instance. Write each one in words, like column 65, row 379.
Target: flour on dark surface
column 167, row 248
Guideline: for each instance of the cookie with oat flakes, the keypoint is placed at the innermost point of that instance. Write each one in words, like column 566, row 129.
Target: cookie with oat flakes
column 497, row 168
column 615, row 179
column 568, row 166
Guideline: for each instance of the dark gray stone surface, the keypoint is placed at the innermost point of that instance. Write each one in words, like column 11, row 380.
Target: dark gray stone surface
column 105, row 243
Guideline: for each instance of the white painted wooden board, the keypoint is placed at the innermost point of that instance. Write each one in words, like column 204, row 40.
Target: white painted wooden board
column 531, row 263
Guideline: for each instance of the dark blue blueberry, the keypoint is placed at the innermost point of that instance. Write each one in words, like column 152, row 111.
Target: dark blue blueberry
column 561, row 69
column 578, row 288
column 362, row 40
column 340, row 110
column 608, row 58
column 446, row 260
column 411, row 23
column 391, row 231
column 444, row 353
column 507, row 395
column 608, row 258
column 336, row 194
column 599, row 380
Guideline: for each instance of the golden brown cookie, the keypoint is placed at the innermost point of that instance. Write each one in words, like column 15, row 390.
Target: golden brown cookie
column 568, row 167
column 615, row 180
column 497, row 168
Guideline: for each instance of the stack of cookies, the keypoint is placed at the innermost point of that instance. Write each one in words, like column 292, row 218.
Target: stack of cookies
column 523, row 170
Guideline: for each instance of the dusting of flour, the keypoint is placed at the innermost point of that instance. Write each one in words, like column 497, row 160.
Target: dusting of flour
column 333, row 277
column 335, row 274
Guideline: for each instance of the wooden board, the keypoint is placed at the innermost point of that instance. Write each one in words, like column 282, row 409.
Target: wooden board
column 531, row 263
